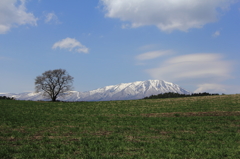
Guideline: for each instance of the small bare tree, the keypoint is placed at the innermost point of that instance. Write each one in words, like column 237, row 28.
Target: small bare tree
column 54, row 83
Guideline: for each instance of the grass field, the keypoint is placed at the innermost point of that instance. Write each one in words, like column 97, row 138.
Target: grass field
column 193, row 127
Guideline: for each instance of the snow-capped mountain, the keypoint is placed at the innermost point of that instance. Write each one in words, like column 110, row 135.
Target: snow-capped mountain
column 123, row 91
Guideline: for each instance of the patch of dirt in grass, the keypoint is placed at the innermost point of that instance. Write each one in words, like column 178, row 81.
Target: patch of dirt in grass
column 234, row 125
column 37, row 137
column 119, row 126
column 164, row 132
column 132, row 139
column 12, row 138
column 70, row 138
column 167, row 133
column 20, row 129
column 160, row 135
column 55, row 137
column 212, row 132
column 118, row 115
column 181, row 114
column 71, row 126
column 238, row 121
column 75, row 139
column 102, row 133
column 8, row 129
column 187, row 131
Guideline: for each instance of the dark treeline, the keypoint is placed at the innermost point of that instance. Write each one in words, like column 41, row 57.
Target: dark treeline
column 6, row 98
column 174, row 95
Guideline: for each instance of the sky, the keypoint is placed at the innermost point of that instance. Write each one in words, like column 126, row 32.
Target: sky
column 195, row 44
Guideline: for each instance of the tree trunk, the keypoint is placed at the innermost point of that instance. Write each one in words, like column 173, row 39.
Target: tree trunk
column 54, row 99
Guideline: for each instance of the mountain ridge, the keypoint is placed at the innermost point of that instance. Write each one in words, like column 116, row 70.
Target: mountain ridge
column 122, row 91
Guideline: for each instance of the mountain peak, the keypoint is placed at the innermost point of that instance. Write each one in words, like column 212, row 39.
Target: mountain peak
column 123, row 91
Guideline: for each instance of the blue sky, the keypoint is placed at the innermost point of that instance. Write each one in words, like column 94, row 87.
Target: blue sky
column 195, row 44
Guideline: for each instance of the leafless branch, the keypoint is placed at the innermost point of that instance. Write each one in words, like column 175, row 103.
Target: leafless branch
column 54, row 83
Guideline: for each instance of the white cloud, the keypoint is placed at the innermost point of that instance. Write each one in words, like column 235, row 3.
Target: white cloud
column 51, row 18
column 210, row 87
column 194, row 67
column 216, row 34
column 13, row 13
column 153, row 55
column 167, row 15
column 71, row 44
column 218, row 88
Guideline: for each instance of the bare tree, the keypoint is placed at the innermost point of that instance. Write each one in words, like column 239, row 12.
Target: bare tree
column 54, row 83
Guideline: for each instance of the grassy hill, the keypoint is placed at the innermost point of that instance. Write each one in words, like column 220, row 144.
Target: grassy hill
column 193, row 127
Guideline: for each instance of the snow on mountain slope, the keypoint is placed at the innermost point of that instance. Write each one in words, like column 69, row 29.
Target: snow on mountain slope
column 123, row 91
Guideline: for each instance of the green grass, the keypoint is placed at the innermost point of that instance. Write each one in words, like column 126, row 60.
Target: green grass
column 193, row 127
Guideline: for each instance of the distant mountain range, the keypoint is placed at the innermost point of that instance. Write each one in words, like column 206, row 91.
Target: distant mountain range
column 123, row 91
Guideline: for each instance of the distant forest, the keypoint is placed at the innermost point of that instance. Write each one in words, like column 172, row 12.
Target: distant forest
column 175, row 95
column 6, row 98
